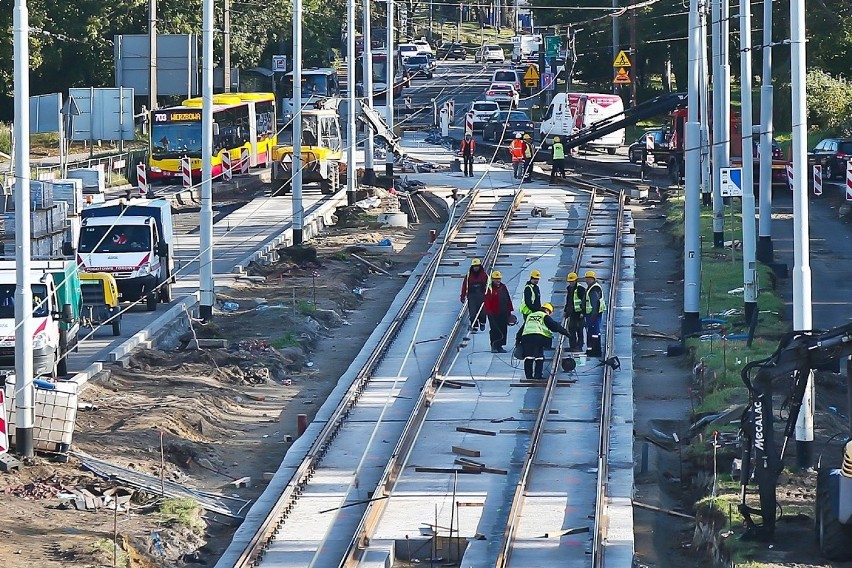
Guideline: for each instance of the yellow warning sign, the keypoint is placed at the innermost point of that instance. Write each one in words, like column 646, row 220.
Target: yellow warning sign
column 621, row 60
column 622, row 77
column 532, row 74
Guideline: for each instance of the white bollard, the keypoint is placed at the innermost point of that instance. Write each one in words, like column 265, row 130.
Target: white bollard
column 186, row 172
column 849, row 180
column 244, row 161
column 817, row 179
column 468, row 123
column 142, row 179
column 227, row 168
column 445, row 121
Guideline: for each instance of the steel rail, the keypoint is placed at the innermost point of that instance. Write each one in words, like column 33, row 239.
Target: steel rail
column 537, row 432
column 599, row 539
column 275, row 518
column 373, row 514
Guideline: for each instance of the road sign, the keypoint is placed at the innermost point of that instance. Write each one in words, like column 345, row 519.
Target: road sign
column 531, row 77
column 621, row 60
column 548, row 81
column 731, row 182
column 552, row 45
column 622, row 77
column 279, row 63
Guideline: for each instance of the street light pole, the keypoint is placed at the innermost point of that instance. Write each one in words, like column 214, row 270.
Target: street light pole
column 692, row 206
column 152, row 54
column 296, row 180
column 749, row 262
column 369, row 171
column 389, row 94
column 24, row 390
column 351, row 173
column 765, row 252
column 206, row 284
column 718, row 98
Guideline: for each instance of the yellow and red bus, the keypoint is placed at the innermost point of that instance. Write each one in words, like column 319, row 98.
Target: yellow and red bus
column 240, row 121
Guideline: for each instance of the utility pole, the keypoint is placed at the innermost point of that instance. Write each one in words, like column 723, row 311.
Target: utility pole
column 351, row 173
column 802, row 315
column 692, row 207
column 635, row 54
column 206, row 284
column 389, row 94
column 296, row 176
column 616, row 41
column 725, row 103
column 749, row 262
column 718, row 202
column 706, row 189
column 226, row 44
column 24, row 390
column 152, row 51
column 369, row 172
column 765, row 250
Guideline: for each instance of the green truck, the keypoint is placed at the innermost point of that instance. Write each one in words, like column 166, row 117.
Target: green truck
column 57, row 304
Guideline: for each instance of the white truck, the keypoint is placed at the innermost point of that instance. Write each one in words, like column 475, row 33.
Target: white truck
column 525, row 48
column 57, row 302
column 135, row 243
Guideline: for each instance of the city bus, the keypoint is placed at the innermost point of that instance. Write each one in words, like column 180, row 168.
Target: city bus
column 240, row 121
column 380, row 76
column 320, row 89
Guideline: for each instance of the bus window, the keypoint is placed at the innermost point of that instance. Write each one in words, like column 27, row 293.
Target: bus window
column 265, row 112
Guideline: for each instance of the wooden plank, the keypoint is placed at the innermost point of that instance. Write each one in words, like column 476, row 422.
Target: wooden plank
column 495, row 470
column 467, row 430
column 466, row 452
column 516, row 431
column 441, row 470
column 468, row 463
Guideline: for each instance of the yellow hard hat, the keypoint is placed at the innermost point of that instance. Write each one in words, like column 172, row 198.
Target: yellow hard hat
column 476, row 262
column 572, row 277
column 496, row 274
column 535, row 274
column 591, row 274
column 548, row 307
column 527, row 137
column 556, row 138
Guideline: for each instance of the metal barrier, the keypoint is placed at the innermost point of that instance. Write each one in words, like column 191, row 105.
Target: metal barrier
column 117, row 167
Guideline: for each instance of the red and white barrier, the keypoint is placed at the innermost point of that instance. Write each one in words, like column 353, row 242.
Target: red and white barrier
column 244, row 161
column 4, row 425
column 849, row 180
column 227, row 172
column 142, row 179
column 468, row 124
column 790, row 176
column 186, row 171
column 817, row 180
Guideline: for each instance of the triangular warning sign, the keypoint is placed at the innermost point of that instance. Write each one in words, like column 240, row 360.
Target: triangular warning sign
column 288, row 158
column 531, row 74
column 622, row 77
column 621, row 60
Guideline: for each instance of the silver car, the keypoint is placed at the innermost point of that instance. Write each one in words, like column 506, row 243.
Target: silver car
column 504, row 94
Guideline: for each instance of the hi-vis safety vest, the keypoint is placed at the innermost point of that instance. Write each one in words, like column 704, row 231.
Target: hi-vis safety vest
column 588, row 304
column 528, row 150
column 578, row 301
column 535, row 325
column 516, row 148
column 525, row 309
column 558, row 151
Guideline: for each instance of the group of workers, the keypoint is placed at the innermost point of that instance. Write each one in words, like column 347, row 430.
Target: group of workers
column 489, row 299
column 523, row 152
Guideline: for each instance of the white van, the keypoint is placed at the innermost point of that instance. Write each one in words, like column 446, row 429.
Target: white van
column 568, row 111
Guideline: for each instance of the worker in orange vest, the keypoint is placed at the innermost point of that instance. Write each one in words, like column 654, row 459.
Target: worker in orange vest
column 468, row 147
column 516, row 150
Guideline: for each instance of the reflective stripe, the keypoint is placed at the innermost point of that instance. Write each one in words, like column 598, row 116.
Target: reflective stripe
column 535, row 325
column 558, row 151
column 525, row 309
column 588, row 304
column 578, row 301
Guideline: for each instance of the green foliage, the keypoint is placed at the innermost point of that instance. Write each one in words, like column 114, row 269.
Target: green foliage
column 184, row 512
column 305, row 308
column 105, row 550
column 829, row 101
column 288, row 340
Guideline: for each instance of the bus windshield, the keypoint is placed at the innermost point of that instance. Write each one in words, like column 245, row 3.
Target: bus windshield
column 313, row 85
column 176, row 139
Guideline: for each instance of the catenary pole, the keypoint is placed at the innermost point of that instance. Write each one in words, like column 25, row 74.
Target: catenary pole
column 718, row 203
column 389, row 94
column 704, row 97
column 765, row 252
column 296, row 181
column 206, row 283
column 616, row 40
column 351, row 173
column 24, row 391
column 692, row 206
column 369, row 171
column 749, row 240
column 226, row 45
column 152, row 59
column 802, row 314
column 725, row 99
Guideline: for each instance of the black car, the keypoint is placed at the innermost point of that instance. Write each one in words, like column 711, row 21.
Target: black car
column 635, row 150
column 418, row 65
column 832, row 154
column 451, row 51
column 507, row 123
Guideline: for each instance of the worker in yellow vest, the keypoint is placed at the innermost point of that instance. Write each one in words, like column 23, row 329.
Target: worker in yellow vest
column 534, row 336
column 574, row 312
column 557, row 161
column 594, row 307
column 532, row 295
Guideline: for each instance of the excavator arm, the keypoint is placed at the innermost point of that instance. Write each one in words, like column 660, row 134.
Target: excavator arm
column 797, row 355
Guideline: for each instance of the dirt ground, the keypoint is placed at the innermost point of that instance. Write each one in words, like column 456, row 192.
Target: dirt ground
column 219, row 414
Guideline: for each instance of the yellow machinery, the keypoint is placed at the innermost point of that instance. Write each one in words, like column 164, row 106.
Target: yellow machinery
column 321, row 153
column 100, row 301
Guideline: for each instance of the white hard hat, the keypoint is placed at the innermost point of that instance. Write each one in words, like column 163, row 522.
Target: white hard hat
column 518, row 135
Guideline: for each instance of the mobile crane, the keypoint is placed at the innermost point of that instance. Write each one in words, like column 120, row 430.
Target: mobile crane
column 798, row 354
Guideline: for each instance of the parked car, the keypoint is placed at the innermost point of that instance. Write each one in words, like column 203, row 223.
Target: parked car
column 406, row 50
column 481, row 111
column 503, row 94
column 418, row 65
column 635, row 150
column 422, row 46
column 513, row 76
column 507, row 123
column 832, row 154
column 489, row 54
column 451, row 51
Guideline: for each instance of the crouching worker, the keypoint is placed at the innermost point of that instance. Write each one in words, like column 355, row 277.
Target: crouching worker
column 534, row 336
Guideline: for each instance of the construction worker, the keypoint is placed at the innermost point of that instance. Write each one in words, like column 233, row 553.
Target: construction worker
column 594, row 307
column 574, row 312
column 498, row 307
column 532, row 295
column 529, row 151
column 534, row 336
column 558, row 159
column 516, row 150
column 473, row 290
column 468, row 148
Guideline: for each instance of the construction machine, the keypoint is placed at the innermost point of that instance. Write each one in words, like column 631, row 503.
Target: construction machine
column 322, row 149
column 798, row 355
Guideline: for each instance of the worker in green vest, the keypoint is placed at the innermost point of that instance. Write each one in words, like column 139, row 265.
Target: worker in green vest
column 534, row 336
column 532, row 295
column 574, row 312
column 557, row 161
column 594, row 307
